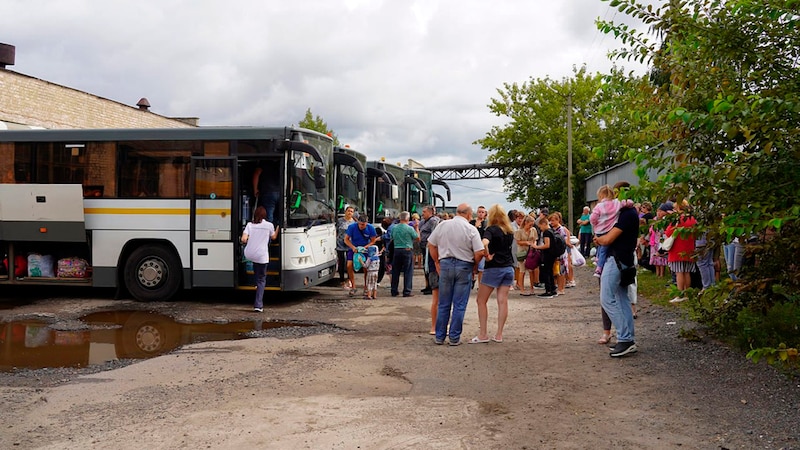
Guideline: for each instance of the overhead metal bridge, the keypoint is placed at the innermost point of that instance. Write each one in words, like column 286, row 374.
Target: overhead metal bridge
column 470, row 171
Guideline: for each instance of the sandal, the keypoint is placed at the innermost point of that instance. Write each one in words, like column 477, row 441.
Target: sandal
column 605, row 339
column 477, row 340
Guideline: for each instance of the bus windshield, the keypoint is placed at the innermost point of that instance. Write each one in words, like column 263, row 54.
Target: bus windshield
column 310, row 204
column 349, row 192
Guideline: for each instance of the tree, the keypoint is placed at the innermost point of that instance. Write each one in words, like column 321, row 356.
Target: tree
column 725, row 103
column 317, row 124
column 534, row 141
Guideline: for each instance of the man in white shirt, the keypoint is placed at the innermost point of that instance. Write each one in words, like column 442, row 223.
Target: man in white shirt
column 456, row 248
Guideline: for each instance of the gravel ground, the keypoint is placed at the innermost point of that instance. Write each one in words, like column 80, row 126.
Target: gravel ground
column 364, row 374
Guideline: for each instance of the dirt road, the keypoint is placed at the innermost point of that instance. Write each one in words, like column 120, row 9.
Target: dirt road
column 378, row 382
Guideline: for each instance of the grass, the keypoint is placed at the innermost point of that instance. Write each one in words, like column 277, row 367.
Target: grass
column 653, row 288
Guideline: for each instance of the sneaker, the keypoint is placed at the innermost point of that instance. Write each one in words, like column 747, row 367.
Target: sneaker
column 545, row 295
column 427, row 291
column 438, row 342
column 539, row 285
column 678, row 299
column 622, row 349
column 455, row 343
column 571, row 284
column 596, row 275
column 258, row 309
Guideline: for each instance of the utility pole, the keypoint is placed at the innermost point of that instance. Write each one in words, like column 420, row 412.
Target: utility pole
column 569, row 162
column 568, row 98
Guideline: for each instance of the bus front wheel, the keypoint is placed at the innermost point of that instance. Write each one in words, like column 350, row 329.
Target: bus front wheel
column 152, row 272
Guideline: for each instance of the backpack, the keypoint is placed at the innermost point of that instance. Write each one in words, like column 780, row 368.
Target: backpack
column 558, row 246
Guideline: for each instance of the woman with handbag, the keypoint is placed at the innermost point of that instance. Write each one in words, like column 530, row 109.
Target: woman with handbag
column 526, row 236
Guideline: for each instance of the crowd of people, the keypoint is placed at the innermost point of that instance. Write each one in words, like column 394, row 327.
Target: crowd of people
column 492, row 250
column 498, row 251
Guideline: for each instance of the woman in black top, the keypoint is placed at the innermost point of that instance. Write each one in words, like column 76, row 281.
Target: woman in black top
column 497, row 274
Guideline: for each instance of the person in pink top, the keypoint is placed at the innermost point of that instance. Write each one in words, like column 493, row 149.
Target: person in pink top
column 681, row 257
column 603, row 217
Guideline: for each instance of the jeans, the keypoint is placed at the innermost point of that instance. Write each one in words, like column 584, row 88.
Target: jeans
column 261, row 281
column 455, row 279
column 734, row 256
column 705, row 263
column 615, row 301
column 269, row 200
column 403, row 262
column 602, row 256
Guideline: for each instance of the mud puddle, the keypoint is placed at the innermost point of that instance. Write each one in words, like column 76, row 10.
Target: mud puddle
column 101, row 337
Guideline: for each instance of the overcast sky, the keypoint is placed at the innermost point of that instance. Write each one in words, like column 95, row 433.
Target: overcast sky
column 399, row 79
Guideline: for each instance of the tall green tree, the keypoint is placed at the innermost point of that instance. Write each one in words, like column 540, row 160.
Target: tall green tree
column 316, row 123
column 726, row 105
column 533, row 141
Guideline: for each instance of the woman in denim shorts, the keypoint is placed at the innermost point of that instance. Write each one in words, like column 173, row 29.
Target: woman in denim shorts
column 498, row 273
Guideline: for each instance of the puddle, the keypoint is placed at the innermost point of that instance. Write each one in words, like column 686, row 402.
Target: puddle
column 106, row 336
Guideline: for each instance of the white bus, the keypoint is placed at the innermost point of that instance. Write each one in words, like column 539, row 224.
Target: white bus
column 157, row 210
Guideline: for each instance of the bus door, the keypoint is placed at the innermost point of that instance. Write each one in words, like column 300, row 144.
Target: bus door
column 213, row 234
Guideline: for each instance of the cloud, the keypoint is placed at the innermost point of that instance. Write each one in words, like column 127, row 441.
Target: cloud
column 400, row 79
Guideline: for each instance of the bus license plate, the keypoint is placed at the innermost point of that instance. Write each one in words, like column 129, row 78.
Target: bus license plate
column 325, row 272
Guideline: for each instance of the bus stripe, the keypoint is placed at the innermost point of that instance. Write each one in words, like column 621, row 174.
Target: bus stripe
column 156, row 211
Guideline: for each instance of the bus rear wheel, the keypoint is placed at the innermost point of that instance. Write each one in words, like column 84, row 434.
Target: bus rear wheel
column 152, row 272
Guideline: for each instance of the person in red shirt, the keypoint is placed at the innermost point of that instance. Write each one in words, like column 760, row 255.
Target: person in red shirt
column 681, row 257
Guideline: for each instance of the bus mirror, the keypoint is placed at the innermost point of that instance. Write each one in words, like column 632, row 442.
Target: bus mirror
column 320, row 181
column 297, row 197
column 362, row 181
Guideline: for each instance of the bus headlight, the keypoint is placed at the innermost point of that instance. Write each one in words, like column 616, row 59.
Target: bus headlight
column 301, row 261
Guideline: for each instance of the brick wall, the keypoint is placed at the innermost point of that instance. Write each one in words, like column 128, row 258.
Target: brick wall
column 30, row 101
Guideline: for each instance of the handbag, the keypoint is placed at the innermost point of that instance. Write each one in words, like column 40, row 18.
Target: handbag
column 534, row 259
column 627, row 276
column 667, row 244
column 522, row 255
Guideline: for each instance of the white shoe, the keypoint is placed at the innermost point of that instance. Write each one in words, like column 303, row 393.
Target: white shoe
column 678, row 299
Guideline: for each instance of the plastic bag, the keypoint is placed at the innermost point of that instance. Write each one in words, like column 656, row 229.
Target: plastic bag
column 577, row 259
column 40, row 265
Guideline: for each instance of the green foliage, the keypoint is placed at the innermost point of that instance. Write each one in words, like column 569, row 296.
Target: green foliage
column 317, row 124
column 534, row 140
column 780, row 323
column 725, row 104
